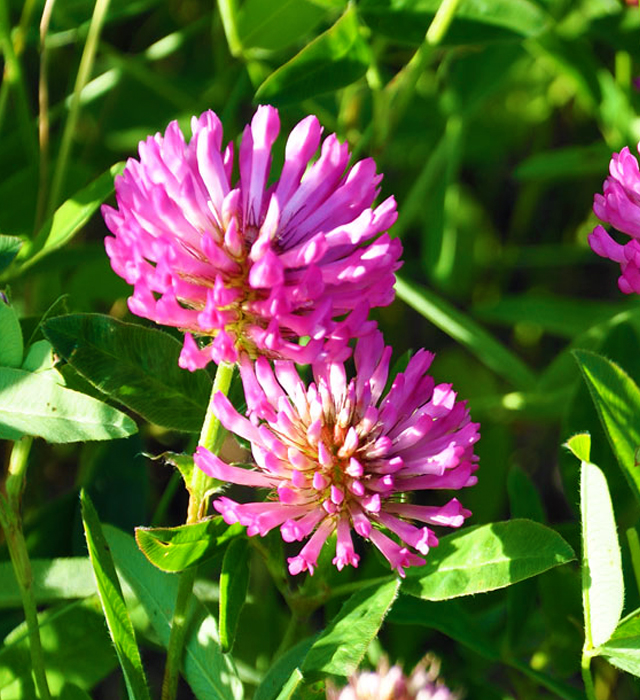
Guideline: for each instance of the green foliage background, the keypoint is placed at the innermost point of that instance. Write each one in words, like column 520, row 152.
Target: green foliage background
column 493, row 137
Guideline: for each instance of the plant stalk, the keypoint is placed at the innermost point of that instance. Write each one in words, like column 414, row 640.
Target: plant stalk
column 211, row 437
column 586, row 676
column 12, row 526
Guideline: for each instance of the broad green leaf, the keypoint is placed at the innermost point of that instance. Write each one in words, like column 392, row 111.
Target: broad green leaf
column 290, row 686
column 234, row 584
column 602, row 582
column 175, row 549
column 283, row 670
column 617, row 400
column 210, row 673
column 135, row 365
column 475, row 21
column 487, row 557
column 39, row 357
column 623, row 648
column 580, row 446
column 53, row 580
column 35, row 404
column 9, row 248
column 463, row 329
column 69, row 218
column 11, row 343
column 336, row 58
column 76, row 648
column 343, row 644
column 276, row 24
column 113, row 605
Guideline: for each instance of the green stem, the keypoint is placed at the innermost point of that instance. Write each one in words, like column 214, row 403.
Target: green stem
column 586, row 676
column 441, row 22
column 12, row 526
column 228, row 14
column 211, row 437
column 84, row 73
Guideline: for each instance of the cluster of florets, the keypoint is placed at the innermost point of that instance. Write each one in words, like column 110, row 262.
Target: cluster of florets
column 267, row 272
column 390, row 683
column 619, row 206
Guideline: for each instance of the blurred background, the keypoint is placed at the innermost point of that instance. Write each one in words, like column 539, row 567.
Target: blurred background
column 493, row 133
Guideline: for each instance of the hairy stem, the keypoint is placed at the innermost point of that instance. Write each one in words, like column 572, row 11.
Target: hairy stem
column 589, row 687
column 12, row 526
column 211, row 437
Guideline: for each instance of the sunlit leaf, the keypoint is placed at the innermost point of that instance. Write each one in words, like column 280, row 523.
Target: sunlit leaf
column 11, row 343
column 343, row 644
column 35, row 404
column 617, row 400
column 69, row 218
column 113, row 605
column 178, row 548
column 485, row 558
column 281, row 672
column 210, row 673
column 602, row 582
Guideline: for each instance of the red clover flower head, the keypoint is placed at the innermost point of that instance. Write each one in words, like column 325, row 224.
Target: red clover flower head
column 341, row 455
column 255, row 265
column 619, row 206
column 390, row 683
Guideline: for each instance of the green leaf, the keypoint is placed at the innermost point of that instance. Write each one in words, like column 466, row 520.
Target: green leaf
column 475, row 21
column 9, row 248
column 617, row 400
column 76, row 648
column 69, row 218
column 175, row 549
column 283, row 670
column 53, row 580
column 487, row 557
column 113, row 605
column 290, row 686
column 336, row 58
column 181, row 461
column 234, row 584
column 34, row 404
column 623, row 648
column 276, row 24
column 39, row 357
column 135, row 365
column 580, row 446
column 463, row 329
column 210, row 673
column 11, row 343
column 343, row 644
column 602, row 583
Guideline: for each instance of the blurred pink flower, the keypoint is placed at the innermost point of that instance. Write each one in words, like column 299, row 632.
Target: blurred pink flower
column 619, row 206
column 254, row 266
column 340, row 456
column 387, row 683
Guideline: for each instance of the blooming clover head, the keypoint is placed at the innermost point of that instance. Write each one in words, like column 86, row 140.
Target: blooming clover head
column 254, row 265
column 390, row 683
column 341, row 455
column 619, row 205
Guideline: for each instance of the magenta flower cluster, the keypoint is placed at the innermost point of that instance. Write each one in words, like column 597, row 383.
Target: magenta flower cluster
column 253, row 266
column 619, row 206
column 267, row 272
